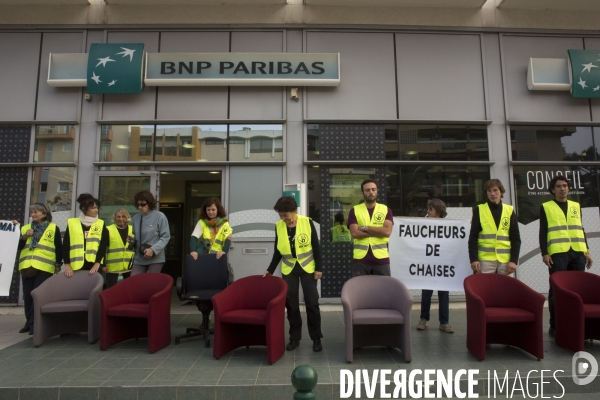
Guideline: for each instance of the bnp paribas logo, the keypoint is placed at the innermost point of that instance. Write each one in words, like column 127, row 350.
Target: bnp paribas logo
column 584, row 70
column 115, row 68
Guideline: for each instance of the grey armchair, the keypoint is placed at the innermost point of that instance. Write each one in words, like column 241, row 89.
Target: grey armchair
column 377, row 313
column 64, row 305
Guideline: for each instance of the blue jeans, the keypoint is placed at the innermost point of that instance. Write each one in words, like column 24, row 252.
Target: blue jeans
column 444, row 298
column 570, row 261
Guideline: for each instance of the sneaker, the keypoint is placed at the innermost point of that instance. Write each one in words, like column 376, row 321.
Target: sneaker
column 292, row 344
column 317, row 345
column 551, row 331
column 422, row 324
column 446, row 328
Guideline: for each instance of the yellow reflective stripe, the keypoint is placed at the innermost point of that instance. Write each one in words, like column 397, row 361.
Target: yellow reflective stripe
column 118, row 250
column 76, row 246
column 487, row 249
column 93, row 240
column 217, row 241
column 581, row 240
column 379, row 246
column 41, row 259
column 575, row 227
column 503, row 251
column 303, row 255
column 288, row 263
column 560, row 240
column 489, row 236
column 557, row 228
column 503, row 238
column 117, row 260
column 42, row 247
column 360, row 247
column 75, row 259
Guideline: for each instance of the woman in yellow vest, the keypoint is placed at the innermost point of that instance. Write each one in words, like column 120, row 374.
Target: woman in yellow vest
column 212, row 233
column 86, row 238
column 119, row 253
column 297, row 247
column 339, row 232
column 436, row 208
column 41, row 255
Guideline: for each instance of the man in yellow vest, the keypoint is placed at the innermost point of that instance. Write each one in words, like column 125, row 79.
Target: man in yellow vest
column 562, row 238
column 494, row 240
column 370, row 225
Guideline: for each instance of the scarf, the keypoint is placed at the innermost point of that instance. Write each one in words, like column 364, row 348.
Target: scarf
column 38, row 231
column 87, row 221
column 215, row 225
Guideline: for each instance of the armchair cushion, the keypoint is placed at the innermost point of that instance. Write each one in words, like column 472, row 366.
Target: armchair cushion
column 134, row 310
column 246, row 317
column 65, row 306
column 377, row 317
column 204, row 294
column 501, row 314
column 591, row 310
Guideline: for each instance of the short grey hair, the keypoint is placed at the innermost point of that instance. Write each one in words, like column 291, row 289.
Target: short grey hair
column 41, row 207
column 121, row 211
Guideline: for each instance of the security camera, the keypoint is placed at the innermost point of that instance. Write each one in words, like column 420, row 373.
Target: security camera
column 294, row 94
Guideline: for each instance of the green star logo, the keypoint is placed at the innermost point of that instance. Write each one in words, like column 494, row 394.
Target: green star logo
column 115, row 68
column 584, row 70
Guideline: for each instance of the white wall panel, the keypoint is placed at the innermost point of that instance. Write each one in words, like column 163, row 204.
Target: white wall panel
column 368, row 84
column 193, row 102
column 440, row 77
column 19, row 61
column 57, row 103
column 526, row 105
column 256, row 102
column 132, row 106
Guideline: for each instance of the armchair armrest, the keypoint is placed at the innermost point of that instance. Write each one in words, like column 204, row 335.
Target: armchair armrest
column 46, row 292
column 114, row 296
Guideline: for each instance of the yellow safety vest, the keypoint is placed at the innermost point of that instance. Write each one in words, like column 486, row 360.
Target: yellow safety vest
column 92, row 242
column 302, row 244
column 224, row 232
column 378, row 245
column 43, row 256
column 493, row 243
column 564, row 233
column 117, row 256
column 340, row 234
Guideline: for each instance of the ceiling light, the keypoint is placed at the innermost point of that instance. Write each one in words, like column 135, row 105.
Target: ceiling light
column 214, row 172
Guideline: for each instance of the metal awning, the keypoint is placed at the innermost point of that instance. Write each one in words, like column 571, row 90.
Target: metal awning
column 573, row 5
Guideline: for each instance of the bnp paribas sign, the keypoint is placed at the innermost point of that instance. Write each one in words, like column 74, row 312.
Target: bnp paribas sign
column 125, row 68
column 579, row 74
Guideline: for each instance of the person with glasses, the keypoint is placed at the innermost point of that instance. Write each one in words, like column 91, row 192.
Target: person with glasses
column 151, row 233
column 436, row 208
column 119, row 253
column 86, row 238
column 40, row 255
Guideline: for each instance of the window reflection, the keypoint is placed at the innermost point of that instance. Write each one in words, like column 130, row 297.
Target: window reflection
column 54, row 143
column 126, row 142
column 256, row 142
column 552, row 143
column 53, row 186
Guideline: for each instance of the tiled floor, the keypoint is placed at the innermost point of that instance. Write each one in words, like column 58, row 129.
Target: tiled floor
column 68, row 367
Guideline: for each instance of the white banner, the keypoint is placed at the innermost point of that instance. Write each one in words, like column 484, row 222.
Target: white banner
column 430, row 253
column 9, row 237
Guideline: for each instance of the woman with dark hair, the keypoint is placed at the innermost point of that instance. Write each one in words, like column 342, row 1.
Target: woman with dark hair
column 151, row 232
column 41, row 255
column 212, row 233
column 118, row 253
column 86, row 238
column 436, row 208
column 297, row 244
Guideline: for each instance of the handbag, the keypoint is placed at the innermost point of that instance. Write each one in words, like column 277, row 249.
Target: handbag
column 29, row 272
column 144, row 246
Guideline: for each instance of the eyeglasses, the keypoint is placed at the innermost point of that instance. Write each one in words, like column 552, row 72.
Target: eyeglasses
column 142, row 204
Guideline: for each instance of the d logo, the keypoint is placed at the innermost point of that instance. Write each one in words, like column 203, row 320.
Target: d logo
column 303, row 239
column 379, row 217
column 95, row 229
column 573, row 211
column 49, row 235
column 505, row 222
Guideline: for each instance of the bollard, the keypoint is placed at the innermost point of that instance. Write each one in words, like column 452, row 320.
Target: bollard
column 304, row 380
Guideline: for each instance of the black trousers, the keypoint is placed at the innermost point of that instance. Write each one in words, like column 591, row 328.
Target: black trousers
column 112, row 279
column 311, row 301
column 29, row 284
column 570, row 261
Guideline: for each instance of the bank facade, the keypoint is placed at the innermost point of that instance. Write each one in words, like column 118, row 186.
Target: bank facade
column 428, row 112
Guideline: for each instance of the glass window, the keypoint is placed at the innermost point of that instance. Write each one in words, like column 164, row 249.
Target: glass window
column 191, row 143
column 54, row 143
column 552, row 143
column 126, row 142
column 531, row 185
column 118, row 192
column 53, row 186
column 313, row 142
column 256, row 142
column 443, row 143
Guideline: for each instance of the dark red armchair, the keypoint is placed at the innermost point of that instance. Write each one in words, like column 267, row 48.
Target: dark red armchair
column 250, row 312
column 576, row 307
column 137, row 307
column 503, row 310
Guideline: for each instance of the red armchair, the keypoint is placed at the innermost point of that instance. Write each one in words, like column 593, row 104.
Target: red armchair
column 137, row 307
column 503, row 310
column 576, row 307
column 250, row 312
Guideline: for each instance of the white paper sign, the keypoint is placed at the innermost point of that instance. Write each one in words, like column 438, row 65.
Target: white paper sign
column 9, row 239
column 430, row 253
